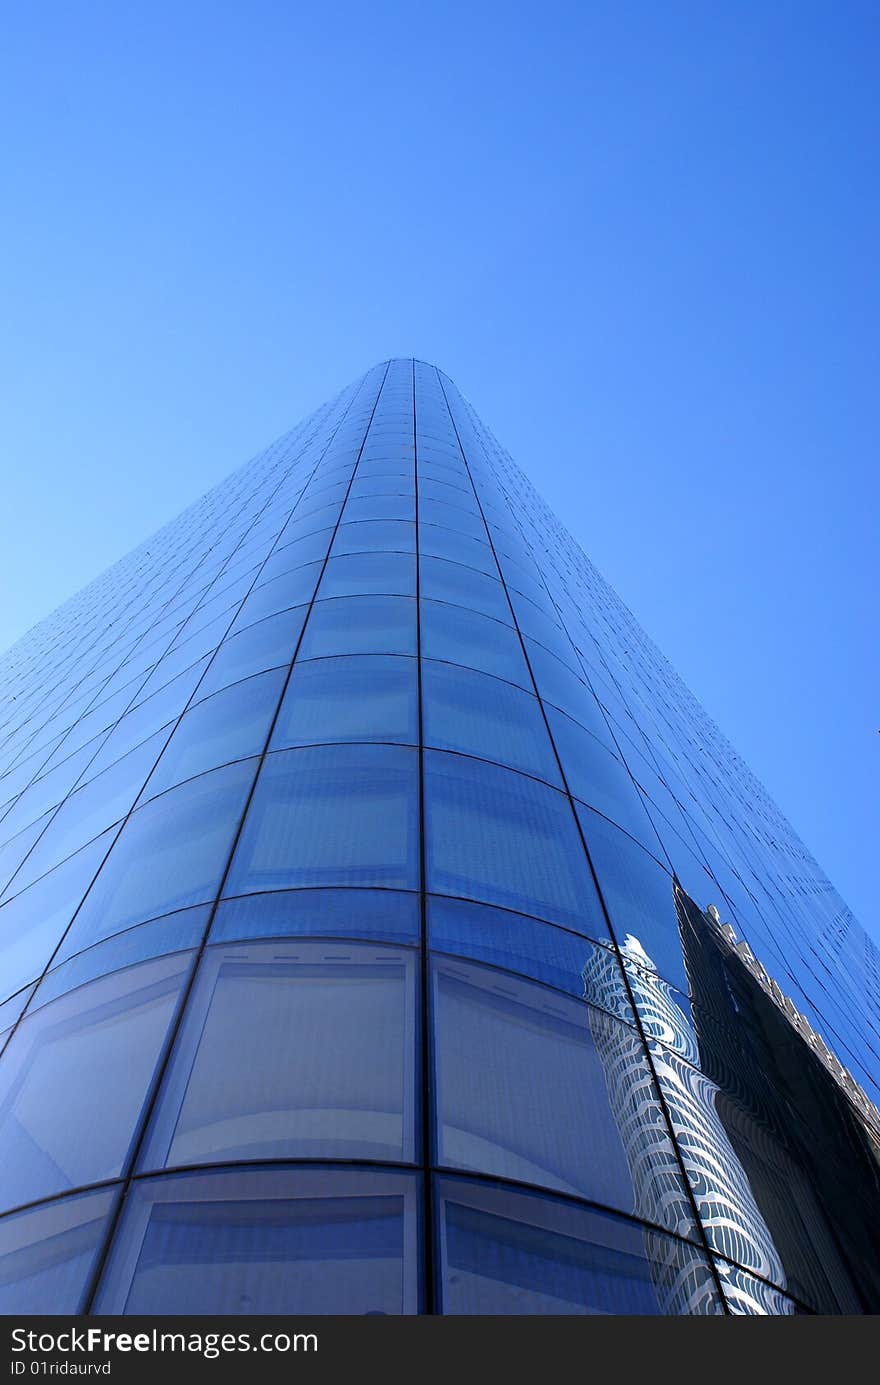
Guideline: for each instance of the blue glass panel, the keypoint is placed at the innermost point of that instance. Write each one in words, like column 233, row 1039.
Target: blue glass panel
column 560, row 685
column 74, row 1078
column 480, row 715
column 12, row 1008
column 89, row 811
column 517, row 943
column 383, row 915
column 13, row 852
column 277, row 1241
column 375, row 536
column 33, row 923
column 508, row 1252
column 363, row 574
column 463, row 637
column 269, row 643
column 438, row 542
column 335, row 815
column 231, row 725
column 600, row 779
column 170, row 853
column 499, row 837
column 463, row 586
column 562, row 1095
column 47, row 1254
column 164, row 706
column 360, row 625
column 379, row 507
column 287, row 556
column 177, row 932
column 638, row 895
column 348, row 1013
column 291, row 589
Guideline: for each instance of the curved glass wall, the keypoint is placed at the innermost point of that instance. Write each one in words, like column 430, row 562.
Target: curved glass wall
column 385, row 929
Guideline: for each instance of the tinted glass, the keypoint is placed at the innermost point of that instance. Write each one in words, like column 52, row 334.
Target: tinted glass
column 335, row 815
column 74, row 1078
column 303, row 1051
column 506, row 1252
column 170, row 853
column 289, row 1241
column 47, row 1254
column 363, row 698
column 499, row 837
column 479, row 715
column 360, row 625
column 231, row 725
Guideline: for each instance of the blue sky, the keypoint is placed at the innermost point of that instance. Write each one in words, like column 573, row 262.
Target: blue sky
column 642, row 238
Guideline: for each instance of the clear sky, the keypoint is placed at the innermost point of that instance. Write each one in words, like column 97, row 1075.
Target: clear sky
column 642, row 238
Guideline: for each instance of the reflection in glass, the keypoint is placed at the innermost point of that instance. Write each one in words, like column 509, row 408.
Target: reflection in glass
column 510, row 1252
column 297, row 1051
column 170, row 853
column 47, row 1253
column 334, row 815
column 74, row 1078
column 266, row 1241
column 363, row 698
column 497, row 836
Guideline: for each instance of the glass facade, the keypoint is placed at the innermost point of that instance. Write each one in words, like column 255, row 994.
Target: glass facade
column 384, row 928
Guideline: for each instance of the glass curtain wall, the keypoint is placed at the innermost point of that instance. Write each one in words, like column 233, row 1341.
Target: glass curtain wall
column 384, row 928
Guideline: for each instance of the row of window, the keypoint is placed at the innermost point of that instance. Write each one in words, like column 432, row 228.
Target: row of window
column 345, row 815
column 349, row 1241
column 302, row 1048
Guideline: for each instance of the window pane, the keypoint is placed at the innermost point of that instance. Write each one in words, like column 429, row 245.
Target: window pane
column 336, row 815
column 13, row 852
column 311, row 549
column 294, row 588
column 170, row 853
column 177, row 932
column 374, row 536
column 90, row 811
column 463, row 521
column 269, row 643
column 638, row 894
column 536, row 1086
column 267, row 1241
column 462, row 637
column 48, row 1253
column 463, row 586
column 74, row 1078
column 600, row 779
column 379, row 507
column 229, row 726
column 360, row 625
column 559, row 685
column 363, row 698
column 446, row 543
column 497, row 836
column 361, row 574
column 383, row 915
column 148, row 717
column 507, row 1252
column 517, row 943
column 297, row 1051
column 33, row 923
column 484, row 716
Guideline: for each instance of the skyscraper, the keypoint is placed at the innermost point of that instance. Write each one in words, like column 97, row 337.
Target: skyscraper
column 385, row 929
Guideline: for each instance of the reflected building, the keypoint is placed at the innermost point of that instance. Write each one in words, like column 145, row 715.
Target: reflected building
column 355, row 848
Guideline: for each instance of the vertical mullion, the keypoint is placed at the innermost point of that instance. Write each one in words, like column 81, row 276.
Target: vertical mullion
column 640, row 1029
column 425, row 1033
column 177, row 1021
